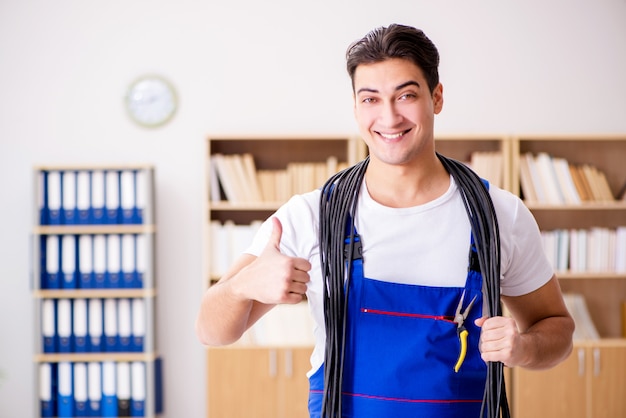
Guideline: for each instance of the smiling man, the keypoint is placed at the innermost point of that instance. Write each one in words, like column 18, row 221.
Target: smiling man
column 406, row 326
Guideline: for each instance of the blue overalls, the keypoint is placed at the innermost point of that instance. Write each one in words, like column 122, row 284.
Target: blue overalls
column 401, row 348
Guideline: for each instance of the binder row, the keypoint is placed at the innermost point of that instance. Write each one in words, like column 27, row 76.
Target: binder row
column 93, row 261
column 96, row 389
column 93, row 325
column 88, row 197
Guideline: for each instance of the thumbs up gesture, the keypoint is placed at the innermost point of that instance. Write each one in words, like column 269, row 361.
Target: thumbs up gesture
column 275, row 277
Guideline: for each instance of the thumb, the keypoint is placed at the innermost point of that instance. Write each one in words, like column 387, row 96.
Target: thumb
column 277, row 233
column 480, row 321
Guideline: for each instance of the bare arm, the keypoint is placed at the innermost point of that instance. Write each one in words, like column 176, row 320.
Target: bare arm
column 539, row 334
column 251, row 287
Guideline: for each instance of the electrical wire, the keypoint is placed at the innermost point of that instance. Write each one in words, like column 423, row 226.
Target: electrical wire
column 337, row 211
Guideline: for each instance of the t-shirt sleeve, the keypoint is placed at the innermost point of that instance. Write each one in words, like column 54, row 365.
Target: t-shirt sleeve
column 299, row 221
column 525, row 267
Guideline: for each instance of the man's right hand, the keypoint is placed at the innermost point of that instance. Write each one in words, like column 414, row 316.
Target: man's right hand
column 273, row 277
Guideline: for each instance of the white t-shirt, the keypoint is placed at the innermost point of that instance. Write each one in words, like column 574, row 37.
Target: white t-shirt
column 426, row 245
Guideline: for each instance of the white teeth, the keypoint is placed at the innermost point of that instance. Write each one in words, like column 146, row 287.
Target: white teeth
column 391, row 136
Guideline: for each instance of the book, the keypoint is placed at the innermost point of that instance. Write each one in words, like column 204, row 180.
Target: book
column 577, row 306
column 526, row 182
column 547, row 174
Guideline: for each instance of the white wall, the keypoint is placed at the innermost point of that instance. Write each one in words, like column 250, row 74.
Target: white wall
column 257, row 68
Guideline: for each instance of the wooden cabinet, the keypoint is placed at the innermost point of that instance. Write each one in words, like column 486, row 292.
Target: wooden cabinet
column 589, row 384
column 93, row 281
column 258, row 382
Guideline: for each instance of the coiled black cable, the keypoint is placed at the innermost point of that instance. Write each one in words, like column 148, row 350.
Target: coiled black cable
column 337, row 210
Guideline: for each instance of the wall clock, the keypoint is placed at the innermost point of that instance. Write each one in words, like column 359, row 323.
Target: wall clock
column 151, row 101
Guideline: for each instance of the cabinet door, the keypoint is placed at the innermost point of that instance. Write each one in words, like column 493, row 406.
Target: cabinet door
column 294, row 385
column 242, row 383
column 608, row 377
column 559, row 392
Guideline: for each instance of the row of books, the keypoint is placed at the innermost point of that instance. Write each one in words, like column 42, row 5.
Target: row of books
column 74, row 197
column 96, row 389
column 552, row 180
column 93, row 261
column 577, row 307
column 488, row 165
column 235, row 178
column 586, row 250
column 228, row 242
column 93, row 325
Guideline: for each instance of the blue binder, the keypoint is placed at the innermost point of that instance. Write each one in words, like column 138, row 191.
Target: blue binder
column 68, row 198
column 54, row 197
column 140, row 259
column 65, row 390
column 124, row 327
column 46, row 400
column 85, row 262
column 112, row 197
column 97, row 212
column 95, row 325
column 64, row 325
column 114, row 267
column 109, row 390
column 43, row 197
column 94, row 389
column 68, row 261
column 80, row 326
column 81, row 405
column 111, row 336
column 128, row 197
column 51, row 251
column 129, row 269
column 138, row 389
column 48, row 325
column 141, row 195
column 83, row 197
column 99, row 261
column 138, row 312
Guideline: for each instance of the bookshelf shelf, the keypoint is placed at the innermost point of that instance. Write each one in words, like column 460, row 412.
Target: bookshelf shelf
column 94, row 229
column 95, row 357
column 584, row 206
column 94, row 293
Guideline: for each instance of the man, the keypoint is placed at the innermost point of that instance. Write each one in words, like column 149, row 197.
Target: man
column 396, row 348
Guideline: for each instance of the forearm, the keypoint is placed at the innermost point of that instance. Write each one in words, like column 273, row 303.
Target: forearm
column 545, row 327
column 546, row 343
column 223, row 317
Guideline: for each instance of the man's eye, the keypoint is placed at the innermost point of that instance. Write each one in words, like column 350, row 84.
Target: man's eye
column 407, row 96
column 368, row 100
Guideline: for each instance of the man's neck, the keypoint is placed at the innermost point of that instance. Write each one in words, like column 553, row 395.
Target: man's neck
column 406, row 185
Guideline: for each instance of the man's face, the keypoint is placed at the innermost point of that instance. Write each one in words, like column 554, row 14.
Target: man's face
column 395, row 109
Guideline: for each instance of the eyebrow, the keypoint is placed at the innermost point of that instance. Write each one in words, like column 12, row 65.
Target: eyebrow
column 399, row 87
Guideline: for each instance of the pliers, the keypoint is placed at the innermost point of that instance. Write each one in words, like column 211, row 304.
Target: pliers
column 461, row 331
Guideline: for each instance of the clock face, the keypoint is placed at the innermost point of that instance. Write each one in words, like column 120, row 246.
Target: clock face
column 151, row 101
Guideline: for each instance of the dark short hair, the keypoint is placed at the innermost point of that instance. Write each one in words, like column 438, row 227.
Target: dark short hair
column 395, row 41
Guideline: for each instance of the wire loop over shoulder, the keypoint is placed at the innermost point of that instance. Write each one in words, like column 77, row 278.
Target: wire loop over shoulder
column 337, row 211
column 484, row 224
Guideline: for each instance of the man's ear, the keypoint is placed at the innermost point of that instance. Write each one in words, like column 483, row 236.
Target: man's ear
column 438, row 98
